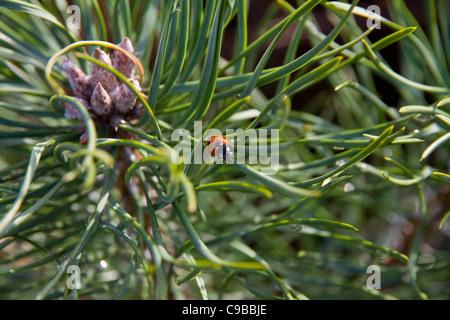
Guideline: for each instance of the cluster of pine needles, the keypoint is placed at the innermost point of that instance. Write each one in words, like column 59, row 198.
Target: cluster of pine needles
column 363, row 176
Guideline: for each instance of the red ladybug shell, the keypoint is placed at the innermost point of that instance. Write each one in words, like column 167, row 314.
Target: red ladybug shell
column 219, row 141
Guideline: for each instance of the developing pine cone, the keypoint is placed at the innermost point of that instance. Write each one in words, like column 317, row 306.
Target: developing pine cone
column 104, row 96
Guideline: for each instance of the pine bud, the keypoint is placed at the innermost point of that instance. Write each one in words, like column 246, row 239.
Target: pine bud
column 71, row 112
column 98, row 74
column 124, row 98
column 101, row 101
column 121, row 62
column 79, row 82
column 107, row 100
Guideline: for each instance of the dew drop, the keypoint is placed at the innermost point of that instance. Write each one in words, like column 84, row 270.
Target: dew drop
column 349, row 187
column 326, row 181
column 103, row 264
column 295, row 227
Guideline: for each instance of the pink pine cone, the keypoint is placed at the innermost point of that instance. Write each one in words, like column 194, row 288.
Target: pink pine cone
column 98, row 74
column 103, row 95
column 124, row 98
column 71, row 112
column 121, row 62
column 79, row 82
column 101, row 101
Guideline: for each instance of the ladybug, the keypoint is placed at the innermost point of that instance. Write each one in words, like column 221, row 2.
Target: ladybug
column 219, row 145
